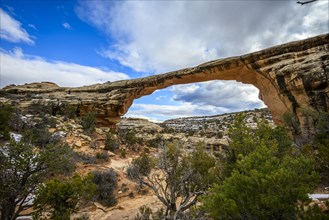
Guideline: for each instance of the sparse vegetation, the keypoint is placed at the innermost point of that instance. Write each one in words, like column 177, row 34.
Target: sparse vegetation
column 5, row 117
column 38, row 136
column 68, row 111
column 106, row 183
column 84, row 158
column 261, row 174
column 60, row 197
column 111, row 143
column 129, row 138
column 146, row 213
column 103, row 156
column 318, row 127
column 266, row 179
column 181, row 178
column 22, row 168
column 88, row 122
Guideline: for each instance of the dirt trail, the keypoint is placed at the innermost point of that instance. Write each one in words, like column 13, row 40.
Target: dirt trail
column 126, row 209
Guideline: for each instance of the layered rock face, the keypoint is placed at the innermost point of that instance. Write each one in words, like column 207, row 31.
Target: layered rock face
column 290, row 77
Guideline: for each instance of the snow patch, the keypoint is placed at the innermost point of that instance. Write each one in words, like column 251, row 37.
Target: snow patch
column 318, row 196
column 15, row 137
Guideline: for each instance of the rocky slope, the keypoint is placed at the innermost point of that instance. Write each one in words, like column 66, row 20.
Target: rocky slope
column 290, row 77
column 92, row 152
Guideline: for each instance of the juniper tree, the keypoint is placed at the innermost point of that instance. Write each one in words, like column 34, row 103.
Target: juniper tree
column 179, row 179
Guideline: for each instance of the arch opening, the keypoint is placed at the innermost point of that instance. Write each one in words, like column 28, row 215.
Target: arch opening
column 208, row 98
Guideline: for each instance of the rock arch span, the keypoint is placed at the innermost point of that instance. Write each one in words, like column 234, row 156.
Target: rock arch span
column 289, row 77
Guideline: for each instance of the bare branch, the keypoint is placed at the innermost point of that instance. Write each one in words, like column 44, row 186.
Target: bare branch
column 305, row 2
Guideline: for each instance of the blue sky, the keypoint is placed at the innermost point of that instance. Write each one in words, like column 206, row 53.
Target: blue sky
column 75, row 43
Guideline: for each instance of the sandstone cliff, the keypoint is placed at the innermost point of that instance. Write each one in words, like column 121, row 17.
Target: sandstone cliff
column 290, row 77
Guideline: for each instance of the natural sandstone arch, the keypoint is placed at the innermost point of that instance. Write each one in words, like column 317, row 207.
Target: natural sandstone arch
column 240, row 72
column 289, row 77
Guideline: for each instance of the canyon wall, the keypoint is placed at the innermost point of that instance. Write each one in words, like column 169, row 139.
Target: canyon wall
column 290, row 77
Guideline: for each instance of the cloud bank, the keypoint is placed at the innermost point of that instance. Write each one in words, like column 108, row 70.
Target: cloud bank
column 158, row 36
column 12, row 30
column 225, row 95
column 18, row 68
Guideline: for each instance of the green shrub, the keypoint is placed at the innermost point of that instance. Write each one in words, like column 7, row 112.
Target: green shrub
column 265, row 176
column 67, row 110
column 94, row 144
column 129, row 138
column 263, row 186
column 291, row 121
column 88, row 122
column 123, row 153
column 104, row 156
column 61, row 163
column 60, row 197
column 141, row 165
column 106, row 183
column 17, row 123
column 23, row 167
column 39, row 136
column 156, row 141
column 84, row 158
column 5, row 117
column 110, row 143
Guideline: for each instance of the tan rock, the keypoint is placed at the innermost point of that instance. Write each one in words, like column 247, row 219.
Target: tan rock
column 52, row 130
column 78, row 143
column 85, row 137
column 99, row 131
column 290, row 77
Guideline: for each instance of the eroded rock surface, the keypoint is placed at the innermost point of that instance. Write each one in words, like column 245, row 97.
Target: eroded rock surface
column 290, row 77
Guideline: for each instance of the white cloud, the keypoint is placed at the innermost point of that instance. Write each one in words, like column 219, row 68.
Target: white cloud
column 152, row 119
column 12, row 30
column 18, row 68
column 163, row 112
column 230, row 95
column 32, row 26
column 67, row 26
column 208, row 98
column 159, row 36
column 160, row 97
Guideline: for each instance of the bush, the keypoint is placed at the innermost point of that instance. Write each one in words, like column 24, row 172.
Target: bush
column 60, row 197
column 64, row 163
column 17, row 123
column 183, row 178
column 104, row 156
column 88, row 122
column 23, row 168
column 265, row 176
column 47, row 121
column 123, row 153
column 155, row 142
column 68, row 111
column 145, row 213
column 141, row 165
column 5, row 117
column 110, row 143
column 129, row 138
column 94, row 144
column 106, row 183
column 84, row 158
column 37, row 136
column 263, row 187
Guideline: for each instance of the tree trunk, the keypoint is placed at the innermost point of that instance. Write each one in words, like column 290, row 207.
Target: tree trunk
column 8, row 209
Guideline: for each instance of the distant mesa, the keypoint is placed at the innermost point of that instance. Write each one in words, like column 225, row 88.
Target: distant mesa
column 290, row 77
